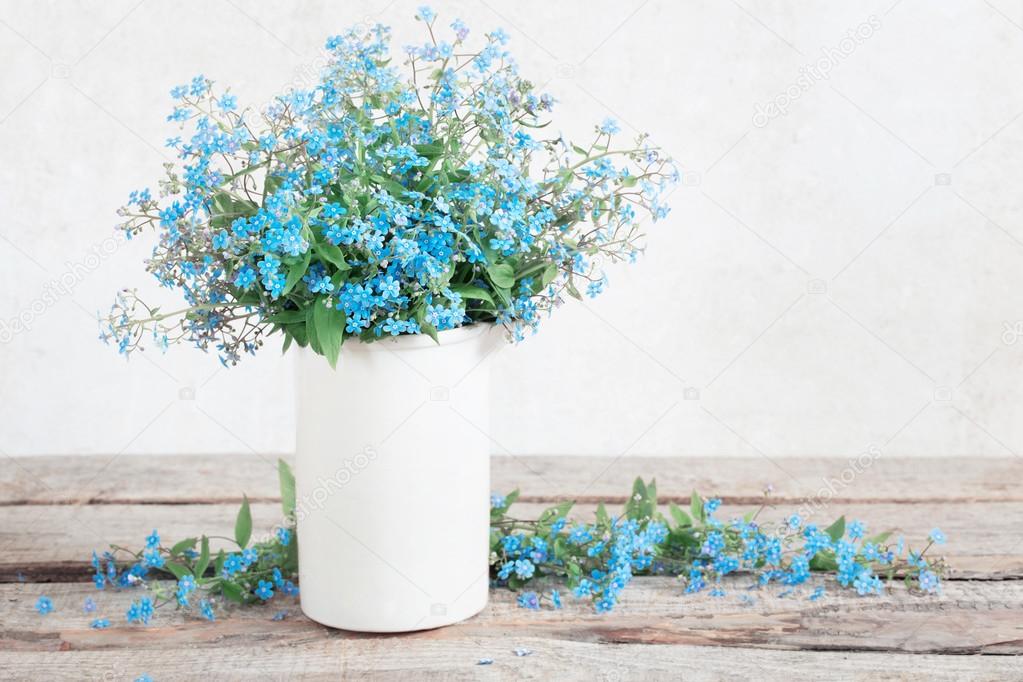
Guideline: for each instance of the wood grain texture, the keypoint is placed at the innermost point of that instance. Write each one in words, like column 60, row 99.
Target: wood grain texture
column 55, row 511
column 414, row 659
column 45, row 543
column 195, row 479
column 968, row 617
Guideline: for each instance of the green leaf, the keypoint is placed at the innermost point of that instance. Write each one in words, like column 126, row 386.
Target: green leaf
column 468, row 291
column 329, row 323
column 396, row 189
column 682, row 519
column 287, row 317
column 557, row 512
column 549, row 274
column 603, row 518
column 296, row 272
column 204, row 557
column 429, row 330
column 823, row 562
column 502, row 275
column 287, row 482
column 879, row 538
column 430, row 150
column 177, row 569
column 836, row 530
column 572, row 291
column 333, row 255
column 179, row 548
column 696, row 507
column 310, row 329
column 233, row 591
column 243, row 524
column 218, row 565
column 634, row 507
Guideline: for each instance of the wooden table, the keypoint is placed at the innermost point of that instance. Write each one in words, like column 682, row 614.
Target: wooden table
column 56, row 510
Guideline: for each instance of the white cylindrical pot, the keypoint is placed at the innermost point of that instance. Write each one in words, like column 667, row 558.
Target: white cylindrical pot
column 393, row 481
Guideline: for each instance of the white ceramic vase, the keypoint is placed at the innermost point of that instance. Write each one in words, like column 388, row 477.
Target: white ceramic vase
column 393, row 481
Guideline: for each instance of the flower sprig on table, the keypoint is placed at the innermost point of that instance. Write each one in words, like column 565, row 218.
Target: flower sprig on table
column 594, row 561
column 597, row 560
column 382, row 202
column 252, row 574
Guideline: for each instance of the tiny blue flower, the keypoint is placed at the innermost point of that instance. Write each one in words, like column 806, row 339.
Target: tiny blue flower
column 937, row 536
column 529, row 600
column 265, row 590
column 228, row 102
column 610, row 126
column 44, row 605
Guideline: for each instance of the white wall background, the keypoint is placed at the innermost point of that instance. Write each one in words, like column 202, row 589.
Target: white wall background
column 847, row 275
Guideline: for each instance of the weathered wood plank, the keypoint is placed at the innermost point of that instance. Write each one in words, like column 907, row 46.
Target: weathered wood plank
column 45, row 543
column 210, row 479
column 968, row 617
column 423, row 659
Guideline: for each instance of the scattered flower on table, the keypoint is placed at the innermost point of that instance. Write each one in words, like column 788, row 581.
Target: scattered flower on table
column 100, row 623
column 89, row 605
column 523, row 652
column 485, row 661
column 206, row 609
column 140, row 611
column 529, row 600
column 44, row 605
column 937, row 537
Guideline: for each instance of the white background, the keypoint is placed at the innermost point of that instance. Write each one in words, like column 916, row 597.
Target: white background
column 846, row 276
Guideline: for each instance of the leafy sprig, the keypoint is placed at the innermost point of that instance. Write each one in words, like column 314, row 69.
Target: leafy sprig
column 596, row 560
column 251, row 574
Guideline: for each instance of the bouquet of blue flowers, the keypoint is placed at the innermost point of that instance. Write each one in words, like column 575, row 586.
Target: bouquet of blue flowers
column 383, row 201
